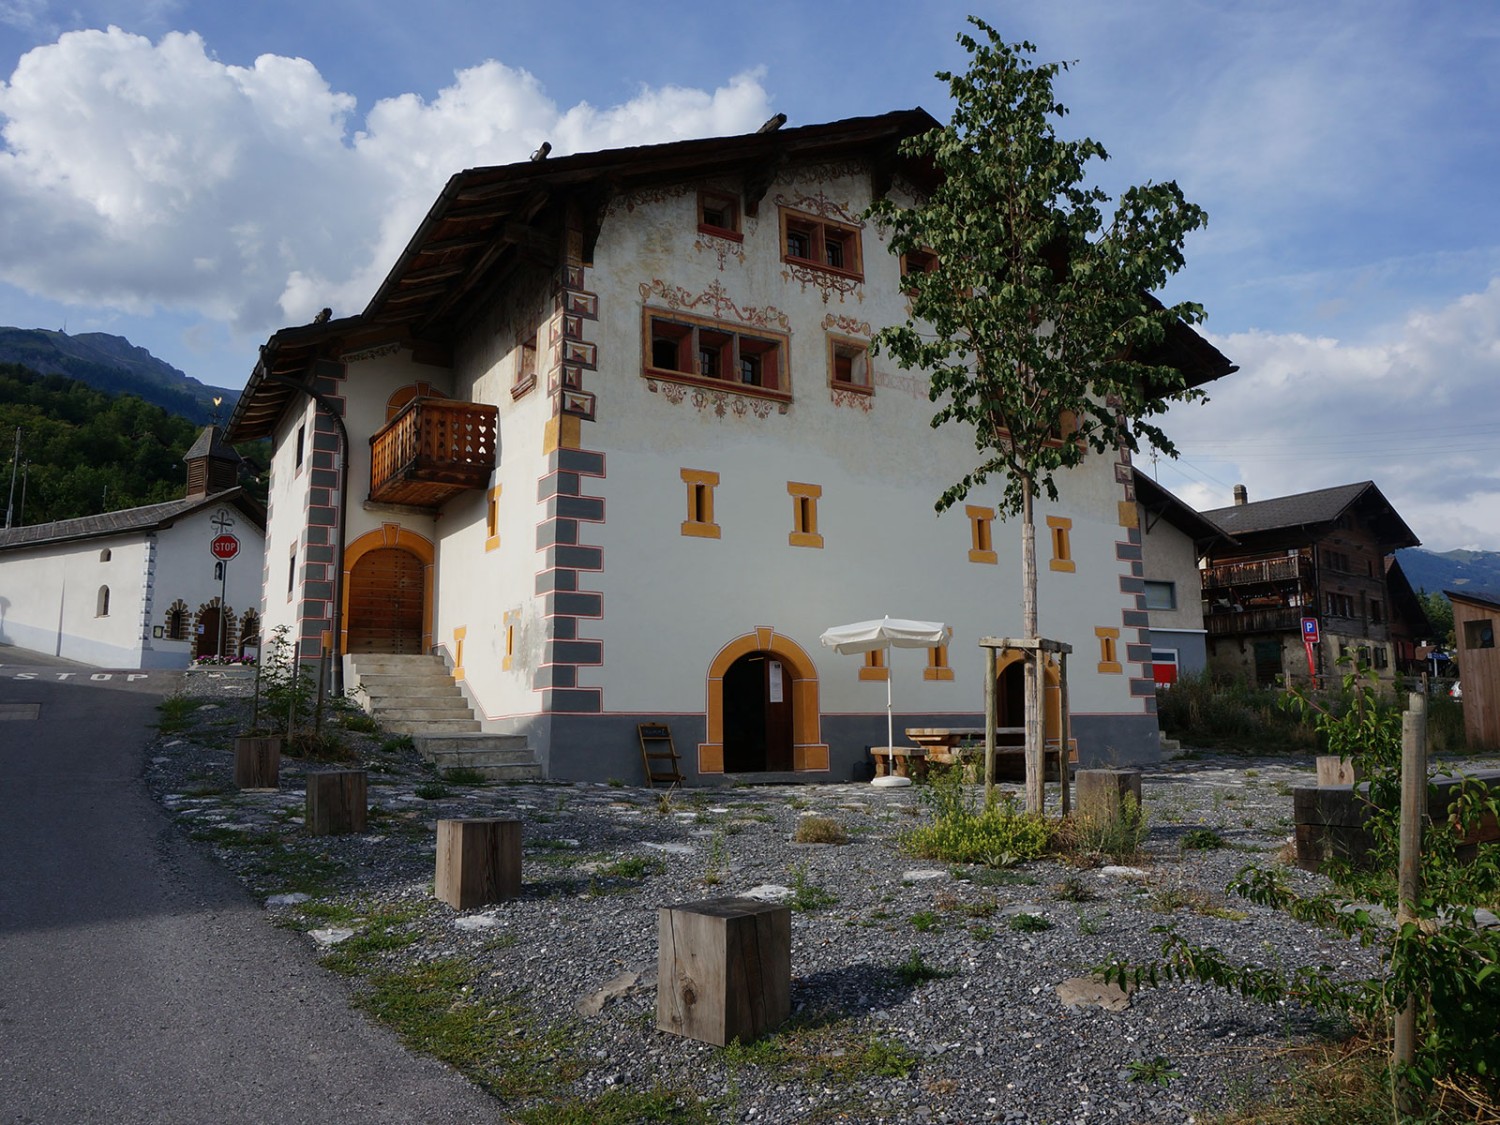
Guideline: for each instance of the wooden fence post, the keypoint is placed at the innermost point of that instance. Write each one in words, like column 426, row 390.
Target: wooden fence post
column 478, row 861
column 1413, row 813
column 257, row 761
column 724, row 969
column 336, row 802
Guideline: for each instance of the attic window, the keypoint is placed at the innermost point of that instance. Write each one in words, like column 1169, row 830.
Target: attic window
column 719, row 215
column 808, row 240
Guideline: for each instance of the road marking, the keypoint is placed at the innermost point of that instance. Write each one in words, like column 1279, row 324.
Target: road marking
column 95, row 677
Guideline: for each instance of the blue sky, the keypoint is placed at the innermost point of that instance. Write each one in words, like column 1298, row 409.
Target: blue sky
column 196, row 175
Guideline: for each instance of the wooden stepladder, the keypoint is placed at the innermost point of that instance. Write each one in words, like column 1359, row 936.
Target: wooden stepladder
column 659, row 755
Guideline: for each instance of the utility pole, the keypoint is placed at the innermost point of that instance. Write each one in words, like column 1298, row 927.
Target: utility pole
column 15, row 460
column 25, row 480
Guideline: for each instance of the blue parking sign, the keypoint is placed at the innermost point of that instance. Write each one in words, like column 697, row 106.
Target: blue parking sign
column 1310, row 629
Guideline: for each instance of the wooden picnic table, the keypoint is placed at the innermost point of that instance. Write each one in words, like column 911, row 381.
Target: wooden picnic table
column 942, row 743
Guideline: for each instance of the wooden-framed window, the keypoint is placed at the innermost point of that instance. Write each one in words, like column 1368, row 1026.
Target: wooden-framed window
column 916, row 261
column 719, row 214
column 1109, row 655
column 937, row 662
column 875, row 668
column 492, row 518
column 691, row 350
column 981, row 523
column 804, row 531
column 1377, row 612
column 700, row 503
column 525, row 367
column 808, row 240
column 1479, row 633
column 849, row 365
column 1062, row 546
column 511, row 619
column 1161, row 595
column 1339, row 605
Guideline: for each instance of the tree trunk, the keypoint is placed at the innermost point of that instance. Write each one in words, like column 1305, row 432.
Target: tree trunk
column 1035, row 761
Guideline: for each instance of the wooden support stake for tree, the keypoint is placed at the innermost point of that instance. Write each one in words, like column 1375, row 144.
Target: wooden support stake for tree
column 257, row 761
column 724, row 969
column 1409, row 868
column 1065, row 730
column 478, row 861
column 336, row 802
column 1036, row 733
column 989, row 725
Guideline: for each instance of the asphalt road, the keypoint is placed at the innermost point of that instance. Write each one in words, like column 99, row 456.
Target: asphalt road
column 138, row 981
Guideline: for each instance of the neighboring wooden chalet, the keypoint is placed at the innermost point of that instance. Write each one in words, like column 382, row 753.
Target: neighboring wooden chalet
column 139, row 588
column 1410, row 630
column 1173, row 538
column 1316, row 555
column 1475, row 619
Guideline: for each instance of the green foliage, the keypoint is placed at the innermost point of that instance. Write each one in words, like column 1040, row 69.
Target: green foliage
column 1440, row 958
column 925, row 920
column 1021, row 242
column 620, row 1107
column 90, row 452
column 820, row 830
column 807, row 896
column 1029, row 923
column 176, row 713
column 432, row 791
column 1157, row 1071
column 1439, row 611
column 287, row 690
column 963, row 829
column 914, row 970
column 1118, row 837
column 1074, row 889
column 1232, row 715
column 464, row 775
column 1201, row 839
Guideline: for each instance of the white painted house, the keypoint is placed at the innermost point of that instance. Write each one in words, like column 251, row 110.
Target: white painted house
column 609, row 438
column 139, row 588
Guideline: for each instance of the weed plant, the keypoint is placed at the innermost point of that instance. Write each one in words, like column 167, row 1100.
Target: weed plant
column 964, row 829
column 820, row 830
column 1120, row 838
column 1231, row 715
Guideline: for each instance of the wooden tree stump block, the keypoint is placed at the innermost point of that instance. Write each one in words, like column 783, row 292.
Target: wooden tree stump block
column 1334, row 770
column 257, row 762
column 1102, row 793
column 478, row 861
column 336, row 802
column 724, row 969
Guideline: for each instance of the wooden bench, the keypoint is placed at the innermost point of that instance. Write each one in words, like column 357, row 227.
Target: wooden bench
column 903, row 761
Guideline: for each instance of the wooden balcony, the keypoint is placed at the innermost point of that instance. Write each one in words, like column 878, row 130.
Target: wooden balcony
column 430, row 452
column 1292, row 568
column 1255, row 620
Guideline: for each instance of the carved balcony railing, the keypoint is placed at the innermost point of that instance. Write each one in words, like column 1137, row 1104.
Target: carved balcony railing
column 431, row 451
column 1291, row 568
column 1270, row 620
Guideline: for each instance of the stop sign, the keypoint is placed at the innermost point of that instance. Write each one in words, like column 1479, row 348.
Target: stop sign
column 224, row 547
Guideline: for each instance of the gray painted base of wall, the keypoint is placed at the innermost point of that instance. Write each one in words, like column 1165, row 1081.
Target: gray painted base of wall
column 606, row 747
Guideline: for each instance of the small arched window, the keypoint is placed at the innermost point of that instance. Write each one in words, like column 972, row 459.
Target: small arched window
column 177, row 622
column 102, row 609
column 104, row 555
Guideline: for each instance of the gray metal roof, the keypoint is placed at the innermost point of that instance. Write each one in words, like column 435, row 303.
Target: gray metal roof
column 1315, row 509
column 125, row 521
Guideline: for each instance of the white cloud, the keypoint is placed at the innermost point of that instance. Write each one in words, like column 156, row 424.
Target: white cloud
column 1419, row 415
column 139, row 175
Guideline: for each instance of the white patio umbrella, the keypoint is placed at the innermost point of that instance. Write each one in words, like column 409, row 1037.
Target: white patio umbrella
column 885, row 634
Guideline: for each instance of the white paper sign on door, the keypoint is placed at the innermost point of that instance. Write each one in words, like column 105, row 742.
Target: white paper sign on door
column 775, row 676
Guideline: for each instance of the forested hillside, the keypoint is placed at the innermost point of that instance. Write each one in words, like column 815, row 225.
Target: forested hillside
column 89, row 452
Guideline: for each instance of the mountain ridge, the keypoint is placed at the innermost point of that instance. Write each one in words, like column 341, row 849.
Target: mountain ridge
column 113, row 364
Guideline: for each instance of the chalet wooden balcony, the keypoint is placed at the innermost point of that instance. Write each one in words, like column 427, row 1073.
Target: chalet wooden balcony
column 430, row 452
column 1269, row 620
column 1290, row 569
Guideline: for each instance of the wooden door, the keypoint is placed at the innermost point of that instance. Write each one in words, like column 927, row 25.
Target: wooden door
column 386, row 600
column 778, row 697
column 206, row 643
column 757, row 714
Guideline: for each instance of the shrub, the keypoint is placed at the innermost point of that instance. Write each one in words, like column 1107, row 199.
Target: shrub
column 1230, row 714
column 964, row 830
column 820, row 830
column 1120, row 838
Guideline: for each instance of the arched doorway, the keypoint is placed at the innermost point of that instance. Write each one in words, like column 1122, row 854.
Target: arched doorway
column 212, row 632
column 762, row 708
column 388, row 592
column 1010, row 711
column 386, row 602
column 757, row 714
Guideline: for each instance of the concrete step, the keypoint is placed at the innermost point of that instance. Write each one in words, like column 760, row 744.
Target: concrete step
column 380, row 681
column 480, row 759
column 424, row 710
column 532, row 772
column 427, row 745
column 386, row 662
column 429, row 726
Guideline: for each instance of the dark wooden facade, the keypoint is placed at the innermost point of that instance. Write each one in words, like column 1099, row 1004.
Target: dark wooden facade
column 1475, row 623
column 1319, row 555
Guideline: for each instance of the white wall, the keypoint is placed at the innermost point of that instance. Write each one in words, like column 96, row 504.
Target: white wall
column 49, row 600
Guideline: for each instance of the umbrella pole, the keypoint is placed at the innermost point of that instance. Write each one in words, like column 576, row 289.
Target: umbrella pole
column 890, row 728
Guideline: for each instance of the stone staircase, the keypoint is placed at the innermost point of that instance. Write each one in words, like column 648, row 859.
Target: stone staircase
column 415, row 695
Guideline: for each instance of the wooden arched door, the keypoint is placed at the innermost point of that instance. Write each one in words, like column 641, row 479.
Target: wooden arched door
column 386, row 601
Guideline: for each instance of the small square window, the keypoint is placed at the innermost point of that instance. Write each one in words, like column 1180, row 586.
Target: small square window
column 1479, row 633
column 719, row 214
column 1161, row 595
column 851, row 364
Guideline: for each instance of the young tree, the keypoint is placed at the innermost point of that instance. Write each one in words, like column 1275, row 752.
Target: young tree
column 1035, row 323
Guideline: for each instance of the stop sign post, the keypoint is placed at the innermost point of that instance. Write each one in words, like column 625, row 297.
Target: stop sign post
column 224, row 547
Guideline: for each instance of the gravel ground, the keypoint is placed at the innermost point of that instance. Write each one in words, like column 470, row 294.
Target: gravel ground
column 988, row 1041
